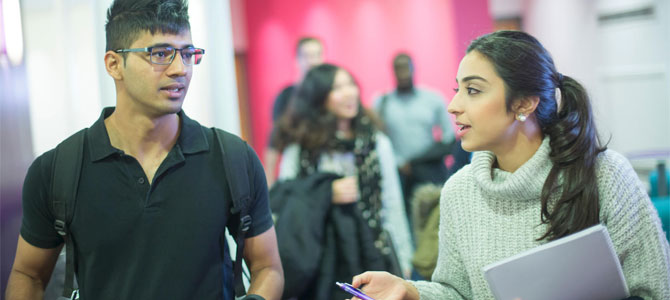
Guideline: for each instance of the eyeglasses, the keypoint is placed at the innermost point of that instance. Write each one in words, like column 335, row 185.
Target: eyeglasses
column 165, row 55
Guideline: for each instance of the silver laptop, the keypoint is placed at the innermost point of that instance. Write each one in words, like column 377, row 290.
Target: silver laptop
column 583, row 265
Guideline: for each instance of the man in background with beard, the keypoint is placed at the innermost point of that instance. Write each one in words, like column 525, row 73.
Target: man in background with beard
column 416, row 120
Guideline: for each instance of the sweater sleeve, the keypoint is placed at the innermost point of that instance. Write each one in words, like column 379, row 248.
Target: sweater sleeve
column 450, row 280
column 635, row 228
column 394, row 217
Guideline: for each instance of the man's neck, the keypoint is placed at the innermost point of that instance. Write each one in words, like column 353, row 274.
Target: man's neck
column 147, row 139
column 405, row 90
column 139, row 135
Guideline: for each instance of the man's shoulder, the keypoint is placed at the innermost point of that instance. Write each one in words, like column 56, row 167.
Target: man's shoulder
column 41, row 166
column 232, row 142
column 241, row 148
column 378, row 98
column 45, row 160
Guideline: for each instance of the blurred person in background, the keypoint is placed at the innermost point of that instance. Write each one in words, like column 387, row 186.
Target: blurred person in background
column 338, row 184
column 309, row 53
column 539, row 173
column 426, row 216
column 417, row 123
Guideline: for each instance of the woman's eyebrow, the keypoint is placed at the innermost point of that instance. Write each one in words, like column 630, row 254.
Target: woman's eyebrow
column 472, row 77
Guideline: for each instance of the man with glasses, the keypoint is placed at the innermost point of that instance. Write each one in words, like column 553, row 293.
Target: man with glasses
column 152, row 199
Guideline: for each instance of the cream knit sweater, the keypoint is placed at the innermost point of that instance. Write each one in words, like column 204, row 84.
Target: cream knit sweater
column 489, row 214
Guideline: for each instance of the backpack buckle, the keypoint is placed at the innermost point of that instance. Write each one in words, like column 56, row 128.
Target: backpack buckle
column 60, row 227
column 245, row 223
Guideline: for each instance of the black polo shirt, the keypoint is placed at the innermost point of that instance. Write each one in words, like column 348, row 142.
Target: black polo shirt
column 136, row 240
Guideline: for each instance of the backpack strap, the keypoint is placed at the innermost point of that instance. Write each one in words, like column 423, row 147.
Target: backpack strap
column 236, row 165
column 66, row 170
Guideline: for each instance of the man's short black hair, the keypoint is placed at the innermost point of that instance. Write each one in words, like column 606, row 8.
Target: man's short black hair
column 402, row 56
column 127, row 19
column 305, row 40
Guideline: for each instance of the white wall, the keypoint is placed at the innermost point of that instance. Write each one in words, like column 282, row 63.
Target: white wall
column 567, row 29
column 62, row 69
column 506, row 9
column 633, row 77
column 212, row 97
column 624, row 64
column 68, row 85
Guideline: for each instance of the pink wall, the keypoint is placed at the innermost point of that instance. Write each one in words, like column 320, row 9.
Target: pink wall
column 360, row 35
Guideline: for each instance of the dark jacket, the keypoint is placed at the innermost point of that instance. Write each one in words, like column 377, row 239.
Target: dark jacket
column 319, row 243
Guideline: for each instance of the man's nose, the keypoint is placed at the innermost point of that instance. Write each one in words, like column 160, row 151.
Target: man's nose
column 177, row 67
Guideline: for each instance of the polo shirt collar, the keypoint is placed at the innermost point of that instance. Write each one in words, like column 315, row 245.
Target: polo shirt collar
column 192, row 138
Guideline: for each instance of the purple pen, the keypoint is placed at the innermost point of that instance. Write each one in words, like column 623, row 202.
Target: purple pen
column 354, row 291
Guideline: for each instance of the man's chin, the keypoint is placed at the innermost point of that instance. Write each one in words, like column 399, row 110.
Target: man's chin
column 405, row 88
column 172, row 108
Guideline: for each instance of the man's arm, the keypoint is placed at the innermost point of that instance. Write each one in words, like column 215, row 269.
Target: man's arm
column 31, row 271
column 262, row 257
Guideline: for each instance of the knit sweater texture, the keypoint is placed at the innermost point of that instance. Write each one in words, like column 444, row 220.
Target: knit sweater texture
column 488, row 214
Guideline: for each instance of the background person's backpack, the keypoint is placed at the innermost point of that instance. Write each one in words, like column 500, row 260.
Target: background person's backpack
column 66, row 171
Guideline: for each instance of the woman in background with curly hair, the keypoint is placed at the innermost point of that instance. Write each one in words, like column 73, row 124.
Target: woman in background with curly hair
column 326, row 130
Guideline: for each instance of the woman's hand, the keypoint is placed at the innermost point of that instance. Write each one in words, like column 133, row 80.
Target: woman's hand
column 345, row 190
column 384, row 286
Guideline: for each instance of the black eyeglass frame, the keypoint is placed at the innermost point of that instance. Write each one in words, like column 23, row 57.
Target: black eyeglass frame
column 174, row 54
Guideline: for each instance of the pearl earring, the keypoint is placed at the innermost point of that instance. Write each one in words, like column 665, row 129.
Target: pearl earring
column 521, row 117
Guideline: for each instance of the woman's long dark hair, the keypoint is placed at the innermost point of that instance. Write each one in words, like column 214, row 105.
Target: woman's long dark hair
column 527, row 69
column 307, row 121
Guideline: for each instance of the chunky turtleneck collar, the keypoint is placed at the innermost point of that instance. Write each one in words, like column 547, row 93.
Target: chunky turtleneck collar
column 524, row 184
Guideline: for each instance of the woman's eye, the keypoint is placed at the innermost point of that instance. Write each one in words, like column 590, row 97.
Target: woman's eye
column 456, row 90
column 472, row 91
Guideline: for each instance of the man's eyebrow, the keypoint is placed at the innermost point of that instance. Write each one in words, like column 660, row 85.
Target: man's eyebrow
column 170, row 45
column 471, row 78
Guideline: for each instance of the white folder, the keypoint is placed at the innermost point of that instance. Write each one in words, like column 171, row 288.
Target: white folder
column 582, row 265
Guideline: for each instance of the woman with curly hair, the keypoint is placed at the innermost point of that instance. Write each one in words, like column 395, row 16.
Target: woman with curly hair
column 364, row 224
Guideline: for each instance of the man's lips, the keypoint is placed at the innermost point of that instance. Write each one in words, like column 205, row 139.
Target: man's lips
column 173, row 87
column 175, row 90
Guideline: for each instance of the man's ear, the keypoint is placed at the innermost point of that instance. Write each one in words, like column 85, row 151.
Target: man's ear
column 526, row 105
column 114, row 65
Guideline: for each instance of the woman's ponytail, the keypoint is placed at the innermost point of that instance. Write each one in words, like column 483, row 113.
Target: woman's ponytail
column 574, row 149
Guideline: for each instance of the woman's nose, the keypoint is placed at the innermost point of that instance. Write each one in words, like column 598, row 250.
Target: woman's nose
column 454, row 107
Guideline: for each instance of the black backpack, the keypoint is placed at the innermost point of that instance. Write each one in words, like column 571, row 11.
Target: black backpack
column 66, row 171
